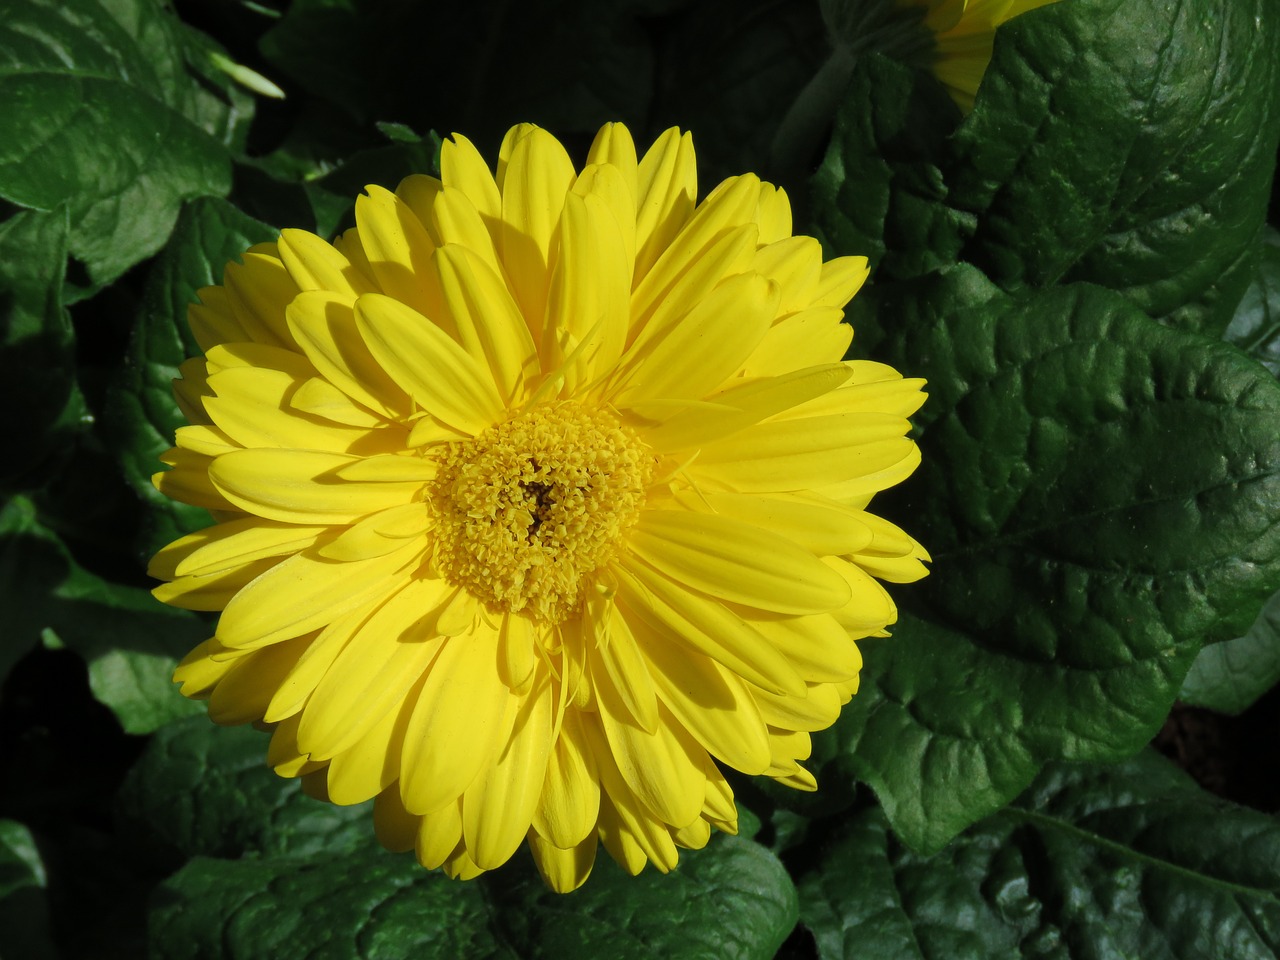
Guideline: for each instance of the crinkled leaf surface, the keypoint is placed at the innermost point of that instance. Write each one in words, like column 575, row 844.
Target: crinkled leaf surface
column 1098, row 492
column 204, row 790
column 732, row 901
column 103, row 113
column 130, row 641
column 1127, row 861
column 880, row 191
column 1130, row 143
column 1229, row 677
column 37, row 347
column 1255, row 328
column 141, row 414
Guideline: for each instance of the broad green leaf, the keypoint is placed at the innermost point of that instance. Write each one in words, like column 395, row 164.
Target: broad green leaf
column 1230, row 676
column 1130, row 143
column 103, row 114
column 141, row 414
column 24, row 908
column 880, row 192
column 1098, row 493
column 1255, row 328
column 1126, row 861
column 37, row 348
column 130, row 641
column 732, row 901
column 204, row 790
column 570, row 66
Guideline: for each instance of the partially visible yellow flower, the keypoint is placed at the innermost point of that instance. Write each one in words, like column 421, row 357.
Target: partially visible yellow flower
column 964, row 34
column 541, row 495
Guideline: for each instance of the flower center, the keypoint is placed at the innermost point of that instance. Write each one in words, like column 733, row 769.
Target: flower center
column 530, row 507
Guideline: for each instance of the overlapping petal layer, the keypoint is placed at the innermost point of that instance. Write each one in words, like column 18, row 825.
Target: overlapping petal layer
column 541, row 495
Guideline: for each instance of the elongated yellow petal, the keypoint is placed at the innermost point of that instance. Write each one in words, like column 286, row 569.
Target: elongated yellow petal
column 706, row 626
column 488, row 321
column 213, row 319
column 211, row 591
column 245, row 691
column 456, row 722
column 326, row 645
column 324, row 324
column 464, row 170
column 711, row 703
column 736, row 561
column 614, row 145
column 564, row 870
column 316, row 265
column 304, row 593
column 397, row 245
column 303, row 486
column 371, row 764
column 438, row 373
column 817, row 711
column 666, row 187
column 374, row 671
column 570, row 802
column 252, row 406
column 498, row 806
column 824, row 528
column 258, row 290
column 819, row 647
column 535, row 181
column 458, row 222
column 619, row 658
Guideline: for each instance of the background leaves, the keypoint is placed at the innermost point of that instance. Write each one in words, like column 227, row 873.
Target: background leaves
column 1098, row 486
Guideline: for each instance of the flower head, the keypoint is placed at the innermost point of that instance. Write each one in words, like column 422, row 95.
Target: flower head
column 540, row 497
column 964, row 34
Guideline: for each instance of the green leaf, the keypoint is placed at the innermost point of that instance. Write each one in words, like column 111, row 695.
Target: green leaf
column 37, row 348
column 1098, row 492
column 24, row 908
column 1130, row 143
column 732, row 901
column 102, row 113
column 129, row 640
column 1126, row 861
column 203, row 790
column 140, row 414
column 1255, row 328
column 880, row 192
column 1230, row 676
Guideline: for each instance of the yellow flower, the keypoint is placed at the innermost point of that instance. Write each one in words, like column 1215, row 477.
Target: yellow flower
column 539, row 497
column 964, row 34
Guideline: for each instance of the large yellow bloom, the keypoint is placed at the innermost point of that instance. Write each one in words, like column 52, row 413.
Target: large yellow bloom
column 964, row 33
column 539, row 497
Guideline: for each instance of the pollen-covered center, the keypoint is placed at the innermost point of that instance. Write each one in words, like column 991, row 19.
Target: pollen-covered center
column 531, row 506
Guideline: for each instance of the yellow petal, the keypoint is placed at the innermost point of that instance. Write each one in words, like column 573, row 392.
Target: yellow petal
column 199, row 672
column 817, row 711
column 304, row 593
column 818, row 647
column 464, row 169
column 230, row 544
column 564, row 870
column 371, row 764
column 794, row 264
column 458, row 222
column 804, row 339
column 303, row 486
column 211, row 591
column 320, row 398
column 259, row 290
column 587, row 308
column 397, row 245
column 188, row 481
column 439, row 833
column 325, row 327
column 419, row 192
column 252, row 406
column 487, row 320
column 711, row 702
column 839, row 280
column 667, row 184
column 456, row 722
column 821, row 527
column 213, row 319
column 244, row 693
column 869, row 608
column 570, row 803
column 371, row 676
column 316, row 265
column 736, row 561
column 442, row 377
column 517, row 656
column 618, row 656
column 704, row 348
column 613, row 145
column 294, row 689
column 659, row 767
column 535, row 181
column 774, row 213
column 704, row 625
column 498, row 806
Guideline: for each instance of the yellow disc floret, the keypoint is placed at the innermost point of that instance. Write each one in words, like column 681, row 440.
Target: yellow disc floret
column 534, row 504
